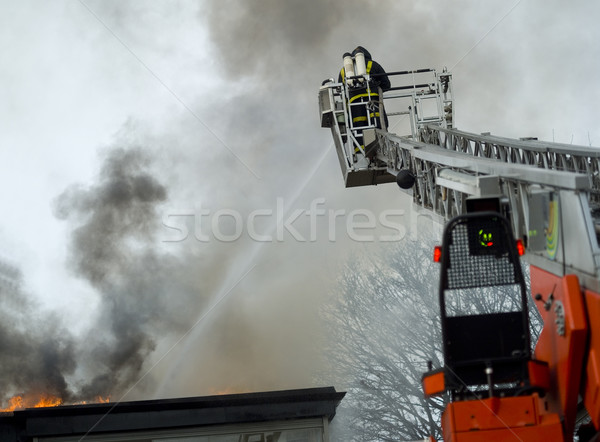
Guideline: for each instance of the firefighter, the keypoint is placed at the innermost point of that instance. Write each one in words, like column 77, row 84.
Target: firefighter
column 365, row 101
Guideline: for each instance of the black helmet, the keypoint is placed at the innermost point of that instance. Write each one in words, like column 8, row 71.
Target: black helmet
column 363, row 50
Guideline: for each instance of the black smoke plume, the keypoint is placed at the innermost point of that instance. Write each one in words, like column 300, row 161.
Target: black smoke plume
column 38, row 354
column 112, row 246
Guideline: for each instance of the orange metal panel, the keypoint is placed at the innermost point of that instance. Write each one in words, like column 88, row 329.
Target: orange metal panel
column 591, row 389
column 433, row 383
column 564, row 353
column 491, row 413
column 539, row 374
column 448, row 422
column 500, row 419
column 539, row 433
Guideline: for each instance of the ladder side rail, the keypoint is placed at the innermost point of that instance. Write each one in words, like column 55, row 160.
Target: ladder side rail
column 333, row 112
column 560, row 156
column 344, row 116
column 348, row 145
column 552, row 156
column 530, row 144
column 557, row 149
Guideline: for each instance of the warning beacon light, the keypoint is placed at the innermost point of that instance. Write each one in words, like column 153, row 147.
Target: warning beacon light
column 437, row 253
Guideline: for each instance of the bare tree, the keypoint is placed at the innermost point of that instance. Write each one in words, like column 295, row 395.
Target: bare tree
column 385, row 327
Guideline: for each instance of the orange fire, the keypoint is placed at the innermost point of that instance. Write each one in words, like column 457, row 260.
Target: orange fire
column 226, row 390
column 48, row 401
column 97, row 400
column 19, row 402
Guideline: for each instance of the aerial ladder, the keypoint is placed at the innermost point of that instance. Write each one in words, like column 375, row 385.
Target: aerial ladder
column 538, row 198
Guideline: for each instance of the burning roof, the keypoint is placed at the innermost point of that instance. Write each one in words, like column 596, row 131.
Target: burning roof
column 73, row 422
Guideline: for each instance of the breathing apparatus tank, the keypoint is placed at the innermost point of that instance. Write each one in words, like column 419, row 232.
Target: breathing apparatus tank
column 349, row 67
column 361, row 65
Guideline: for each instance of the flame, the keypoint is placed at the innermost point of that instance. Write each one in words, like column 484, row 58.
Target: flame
column 226, row 390
column 48, row 401
column 13, row 403
column 19, row 402
column 97, row 400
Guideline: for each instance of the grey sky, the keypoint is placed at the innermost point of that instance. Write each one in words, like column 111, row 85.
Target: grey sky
column 210, row 89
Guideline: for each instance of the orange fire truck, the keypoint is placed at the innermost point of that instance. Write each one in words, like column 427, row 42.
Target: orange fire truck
column 499, row 197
